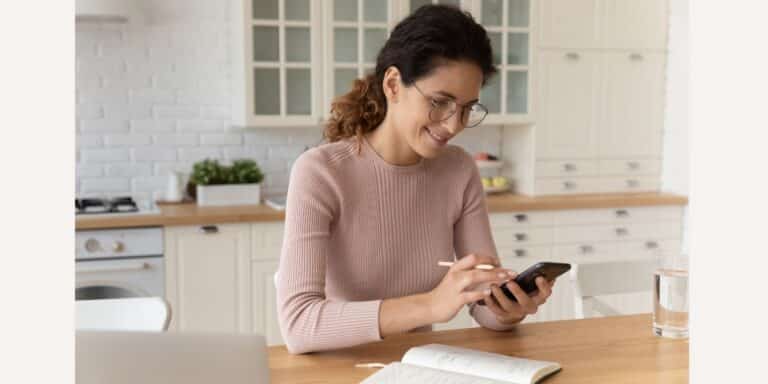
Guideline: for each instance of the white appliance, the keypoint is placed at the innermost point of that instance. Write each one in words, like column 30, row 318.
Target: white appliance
column 116, row 263
column 110, row 11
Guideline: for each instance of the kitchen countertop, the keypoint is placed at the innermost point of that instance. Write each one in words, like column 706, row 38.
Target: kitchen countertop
column 191, row 214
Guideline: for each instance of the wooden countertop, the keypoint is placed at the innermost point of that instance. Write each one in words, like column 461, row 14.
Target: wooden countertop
column 191, row 214
column 601, row 350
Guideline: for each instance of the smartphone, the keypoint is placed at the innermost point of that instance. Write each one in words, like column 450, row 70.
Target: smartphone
column 527, row 279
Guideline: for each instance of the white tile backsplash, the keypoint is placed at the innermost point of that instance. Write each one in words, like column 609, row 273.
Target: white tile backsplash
column 154, row 97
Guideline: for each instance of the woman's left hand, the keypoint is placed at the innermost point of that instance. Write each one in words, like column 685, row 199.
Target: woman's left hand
column 510, row 312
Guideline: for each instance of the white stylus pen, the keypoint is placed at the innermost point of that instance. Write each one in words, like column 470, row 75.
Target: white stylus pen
column 486, row 267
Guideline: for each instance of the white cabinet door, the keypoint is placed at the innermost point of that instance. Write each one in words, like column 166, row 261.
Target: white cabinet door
column 265, row 320
column 277, row 62
column 208, row 277
column 632, row 104
column 569, row 23
column 567, row 100
column 633, row 24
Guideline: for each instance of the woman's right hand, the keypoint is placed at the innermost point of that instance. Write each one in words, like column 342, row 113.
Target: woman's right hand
column 455, row 290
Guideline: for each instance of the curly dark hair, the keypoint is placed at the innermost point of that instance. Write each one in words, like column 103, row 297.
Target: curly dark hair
column 419, row 43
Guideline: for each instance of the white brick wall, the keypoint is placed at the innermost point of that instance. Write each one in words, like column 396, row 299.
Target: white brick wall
column 155, row 97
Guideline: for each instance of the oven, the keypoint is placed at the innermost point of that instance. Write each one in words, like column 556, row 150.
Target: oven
column 117, row 263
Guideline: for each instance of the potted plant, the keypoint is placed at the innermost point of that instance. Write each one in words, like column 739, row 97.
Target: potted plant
column 217, row 184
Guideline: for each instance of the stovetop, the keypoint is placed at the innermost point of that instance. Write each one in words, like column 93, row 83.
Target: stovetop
column 92, row 206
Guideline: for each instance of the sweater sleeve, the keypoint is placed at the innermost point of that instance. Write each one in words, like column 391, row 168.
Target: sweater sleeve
column 472, row 234
column 308, row 321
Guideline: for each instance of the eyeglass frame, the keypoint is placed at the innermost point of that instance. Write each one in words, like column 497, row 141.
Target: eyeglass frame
column 434, row 102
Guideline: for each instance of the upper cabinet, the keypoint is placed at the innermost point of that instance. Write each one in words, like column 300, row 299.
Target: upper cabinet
column 615, row 24
column 354, row 32
column 507, row 95
column 277, row 66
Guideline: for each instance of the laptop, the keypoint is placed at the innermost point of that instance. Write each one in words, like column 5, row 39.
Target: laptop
column 168, row 358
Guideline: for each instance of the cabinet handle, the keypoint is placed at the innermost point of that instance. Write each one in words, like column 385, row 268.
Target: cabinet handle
column 521, row 237
column 520, row 252
column 209, row 229
column 622, row 213
column 621, row 232
column 569, row 167
column 572, row 56
column 586, row 249
column 651, row 245
column 632, row 183
column 118, row 268
column 521, row 218
column 633, row 165
column 635, row 57
column 569, row 185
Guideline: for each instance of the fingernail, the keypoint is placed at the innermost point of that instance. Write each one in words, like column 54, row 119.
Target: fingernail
column 487, row 291
column 512, row 274
column 503, row 275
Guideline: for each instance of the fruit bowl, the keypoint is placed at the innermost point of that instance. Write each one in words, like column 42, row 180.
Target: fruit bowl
column 502, row 188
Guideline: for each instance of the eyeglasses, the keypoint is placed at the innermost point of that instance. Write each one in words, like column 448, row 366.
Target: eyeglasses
column 442, row 110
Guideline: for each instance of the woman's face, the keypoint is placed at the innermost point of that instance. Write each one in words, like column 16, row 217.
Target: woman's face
column 459, row 81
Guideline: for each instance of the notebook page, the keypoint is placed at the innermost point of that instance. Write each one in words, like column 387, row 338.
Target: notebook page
column 477, row 363
column 399, row 373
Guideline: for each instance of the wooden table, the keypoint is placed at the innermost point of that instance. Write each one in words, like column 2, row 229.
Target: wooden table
column 603, row 350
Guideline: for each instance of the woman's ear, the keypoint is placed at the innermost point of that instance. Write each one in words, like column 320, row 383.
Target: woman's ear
column 391, row 84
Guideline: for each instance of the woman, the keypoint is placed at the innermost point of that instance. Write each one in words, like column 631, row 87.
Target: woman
column 371, row 212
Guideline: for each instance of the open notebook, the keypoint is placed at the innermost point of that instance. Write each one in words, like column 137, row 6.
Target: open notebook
column 444, row 364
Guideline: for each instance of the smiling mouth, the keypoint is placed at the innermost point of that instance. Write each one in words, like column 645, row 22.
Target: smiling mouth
column 437, row 137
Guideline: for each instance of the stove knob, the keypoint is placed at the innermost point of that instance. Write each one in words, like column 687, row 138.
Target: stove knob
column 92, row 245
column 118, row 246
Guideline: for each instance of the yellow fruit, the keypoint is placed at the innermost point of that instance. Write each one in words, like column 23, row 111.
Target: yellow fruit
column 486, row 182
column 499, row 181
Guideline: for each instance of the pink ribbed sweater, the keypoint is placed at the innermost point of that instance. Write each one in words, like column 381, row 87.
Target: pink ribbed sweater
column 359, row 230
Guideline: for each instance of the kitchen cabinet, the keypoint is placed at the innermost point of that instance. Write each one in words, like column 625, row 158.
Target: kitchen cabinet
column 600, row 96
column 208, row 277
column 632, row 104
column 507, row 95
column 266, row 244
column 277, row 62
column 569, row 23
column 595, row 24
column 632, row 24
column 354, row 31
column 567, row 115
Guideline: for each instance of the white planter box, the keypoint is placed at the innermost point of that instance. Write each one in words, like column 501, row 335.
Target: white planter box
column 228, row 194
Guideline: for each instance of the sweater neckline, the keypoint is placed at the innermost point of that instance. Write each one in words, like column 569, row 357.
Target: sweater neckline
column 370, row 153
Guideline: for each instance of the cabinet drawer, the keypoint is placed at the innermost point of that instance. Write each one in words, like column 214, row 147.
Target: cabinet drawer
column 628, row 184
column 585, row 251
column 650, row 248
column 528, row 254
column 651, row 214
column 505, row 237
column 626, row 167
column 567, row 186
column 566, row 168
column 521, row 219
column 617, row 232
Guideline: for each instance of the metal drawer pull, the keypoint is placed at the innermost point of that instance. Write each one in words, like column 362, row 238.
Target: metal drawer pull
column 569, row 185
column 635, row 57
column 632, row 183
column 621, row 232
column 568, row 167
column 586, row 249
column 572, row 55
column 521, row 236
column 118, row 268
column 622, row 213
column 521, row 218
column 633, row 165
column 209, row 229
column 520, row 252
column 651, row 245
